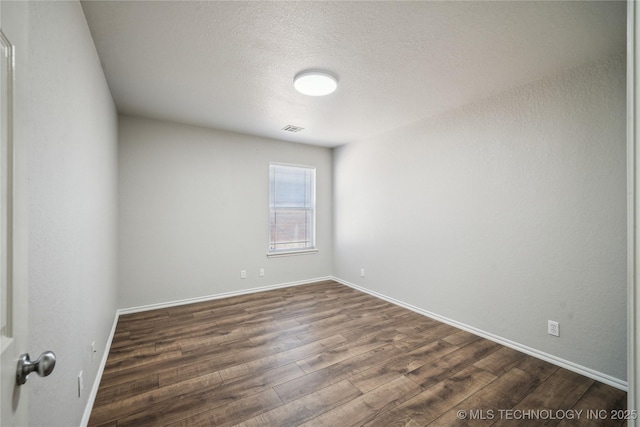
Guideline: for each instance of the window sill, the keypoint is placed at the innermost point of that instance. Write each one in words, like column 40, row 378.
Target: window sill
column 291, row 253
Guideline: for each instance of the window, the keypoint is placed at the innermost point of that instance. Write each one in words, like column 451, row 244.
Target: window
column 292, row 208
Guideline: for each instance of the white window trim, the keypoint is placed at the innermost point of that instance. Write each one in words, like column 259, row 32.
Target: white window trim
column 294, row 252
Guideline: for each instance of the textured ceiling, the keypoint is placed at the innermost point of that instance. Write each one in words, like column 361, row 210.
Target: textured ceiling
column 230, row 65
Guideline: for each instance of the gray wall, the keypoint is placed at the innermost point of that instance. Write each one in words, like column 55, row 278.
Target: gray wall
column 193, row 212
column 72, row 207
column 501, row 215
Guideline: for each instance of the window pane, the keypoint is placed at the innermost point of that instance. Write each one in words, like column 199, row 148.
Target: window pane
column 291, row 188
column 292, row 208
column 291, row 229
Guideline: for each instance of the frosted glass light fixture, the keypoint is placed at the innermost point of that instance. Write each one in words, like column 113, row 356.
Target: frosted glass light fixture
column 315, row 82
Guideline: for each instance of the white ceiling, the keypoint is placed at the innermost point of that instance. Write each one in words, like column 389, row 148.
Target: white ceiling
column 230, row 65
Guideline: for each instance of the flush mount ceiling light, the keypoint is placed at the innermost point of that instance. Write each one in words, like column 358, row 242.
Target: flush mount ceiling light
column 315, row 82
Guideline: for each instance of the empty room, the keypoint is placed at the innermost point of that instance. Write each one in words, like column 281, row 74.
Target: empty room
column 323, row 213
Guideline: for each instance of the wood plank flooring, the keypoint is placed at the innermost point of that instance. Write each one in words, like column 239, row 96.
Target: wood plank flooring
column 327, row 355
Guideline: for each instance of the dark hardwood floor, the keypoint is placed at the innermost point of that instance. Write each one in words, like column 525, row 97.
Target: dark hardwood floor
column 327, row 355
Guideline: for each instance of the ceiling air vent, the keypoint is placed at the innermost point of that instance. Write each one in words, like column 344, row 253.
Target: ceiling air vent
column 291, row 128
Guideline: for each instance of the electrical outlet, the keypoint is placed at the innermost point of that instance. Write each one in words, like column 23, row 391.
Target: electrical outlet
column 243, row 274
column 93, row 351
column 80, row 384
column 262, row 272
column 553, row 328
column 362, row 272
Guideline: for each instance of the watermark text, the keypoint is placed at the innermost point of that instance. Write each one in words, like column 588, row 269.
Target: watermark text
column 547, row 414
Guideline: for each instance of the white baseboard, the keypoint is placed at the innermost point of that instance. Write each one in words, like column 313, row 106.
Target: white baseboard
column 574, row 367
column 96, row 382
column 218, row 296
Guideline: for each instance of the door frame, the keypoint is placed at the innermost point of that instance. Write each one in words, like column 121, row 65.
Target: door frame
column 633, row 212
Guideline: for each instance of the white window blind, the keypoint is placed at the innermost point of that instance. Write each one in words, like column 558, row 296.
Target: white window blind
column 292, row 206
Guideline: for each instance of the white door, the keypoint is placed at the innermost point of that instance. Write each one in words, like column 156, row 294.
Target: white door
column 13, row 213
